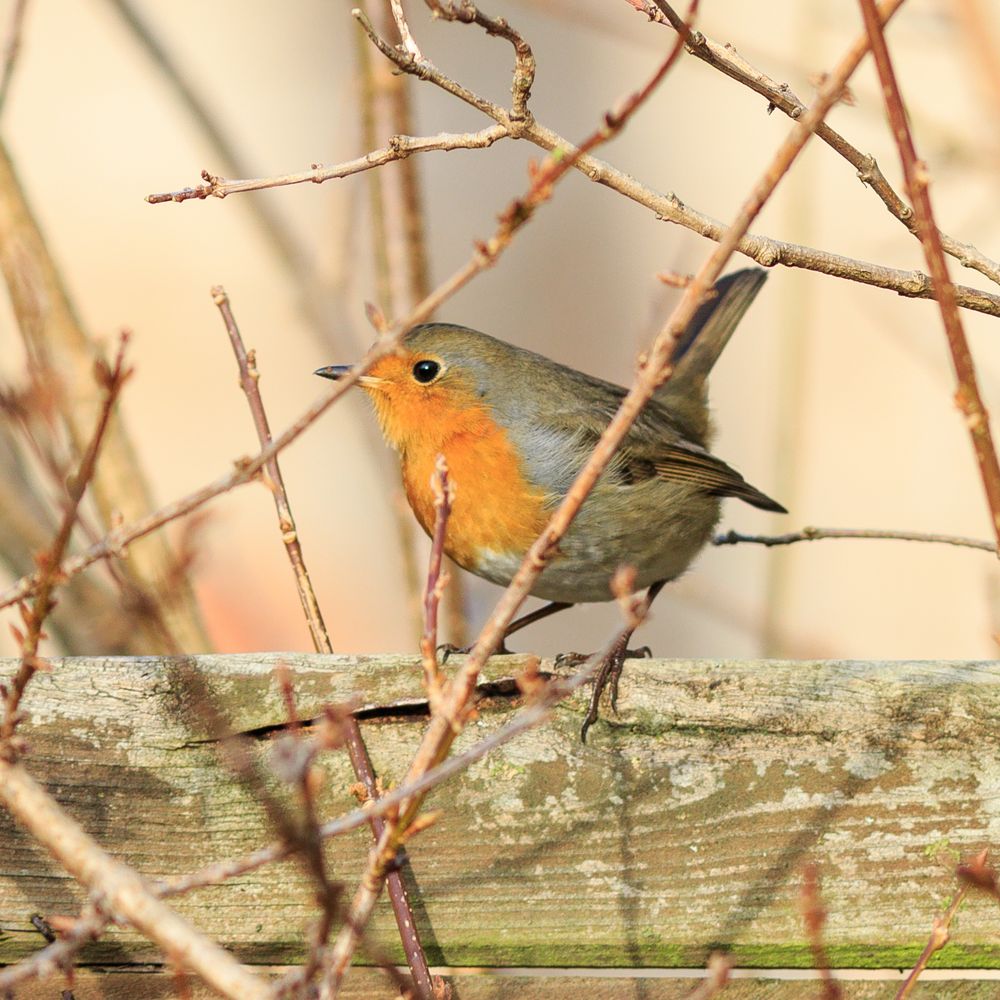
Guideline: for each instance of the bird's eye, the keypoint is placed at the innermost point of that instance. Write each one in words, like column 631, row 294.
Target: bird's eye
column 426, row 371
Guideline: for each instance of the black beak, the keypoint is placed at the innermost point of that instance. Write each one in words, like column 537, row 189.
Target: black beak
column 332, row 371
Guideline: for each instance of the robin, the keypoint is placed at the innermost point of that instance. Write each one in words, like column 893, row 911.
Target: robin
column 516, row 427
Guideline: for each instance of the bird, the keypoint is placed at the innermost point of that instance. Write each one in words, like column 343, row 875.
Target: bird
column 515, row 428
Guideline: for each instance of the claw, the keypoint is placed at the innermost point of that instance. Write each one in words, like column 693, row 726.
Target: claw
column 608, row 675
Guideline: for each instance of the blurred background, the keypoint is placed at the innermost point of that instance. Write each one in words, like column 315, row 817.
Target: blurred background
column 834, row 398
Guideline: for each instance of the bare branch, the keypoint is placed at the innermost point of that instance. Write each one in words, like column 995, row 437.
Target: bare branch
column 967, row 396
column 524, row 60
column 779, row 95
column 668, row 207
column 437, row 581
column 811, row 534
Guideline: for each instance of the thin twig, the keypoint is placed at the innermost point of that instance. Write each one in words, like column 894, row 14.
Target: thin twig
column 65, row 351
column 524, row 61
column 59, row 954
column 358, row 753
column 437, row 581
column 967, row 397
column 399, row 147
column 249, row 377
column 111, row 380
column 940, row 934
column 810, row 534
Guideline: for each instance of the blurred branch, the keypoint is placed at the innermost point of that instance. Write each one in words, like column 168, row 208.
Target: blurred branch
column 396, row 240
column 88, row 616
column 59, row 346
column 321, row 642
column 716, row 978
column 11, row 49
column 811, row 534
column 967, row 397
column 405, row 254
column 729, row 62
column 984, row 45
column 111, row 381
column 814, row 917
column 123, row 892
column 59, row 953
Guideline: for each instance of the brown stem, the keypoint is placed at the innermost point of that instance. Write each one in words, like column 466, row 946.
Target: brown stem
column 967, row 396
column 437, row 581
column 940, row 933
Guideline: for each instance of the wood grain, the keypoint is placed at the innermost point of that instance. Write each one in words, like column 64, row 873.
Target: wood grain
column 681, row 826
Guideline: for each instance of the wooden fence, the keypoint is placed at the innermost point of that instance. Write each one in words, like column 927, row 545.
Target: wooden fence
column 681, row 827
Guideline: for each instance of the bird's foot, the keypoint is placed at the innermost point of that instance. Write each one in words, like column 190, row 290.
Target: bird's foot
column 447, row 649
column 609, row 672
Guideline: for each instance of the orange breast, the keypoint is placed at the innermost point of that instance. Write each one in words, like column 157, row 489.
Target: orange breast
column 495, row 509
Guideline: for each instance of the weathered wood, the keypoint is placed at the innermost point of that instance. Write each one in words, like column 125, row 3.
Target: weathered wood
column 681, row 826
column 368, row 984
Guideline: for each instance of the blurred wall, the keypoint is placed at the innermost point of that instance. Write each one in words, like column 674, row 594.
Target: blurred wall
column 835, row 398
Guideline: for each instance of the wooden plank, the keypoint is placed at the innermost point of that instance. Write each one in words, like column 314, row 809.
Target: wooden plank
column 681, row 826
column 368, row 984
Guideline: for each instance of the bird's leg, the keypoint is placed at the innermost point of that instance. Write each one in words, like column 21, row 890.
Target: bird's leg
column 515, row 626
column 609, row 670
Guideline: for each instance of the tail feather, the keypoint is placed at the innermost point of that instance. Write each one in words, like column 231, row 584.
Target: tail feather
column 713, row 324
